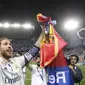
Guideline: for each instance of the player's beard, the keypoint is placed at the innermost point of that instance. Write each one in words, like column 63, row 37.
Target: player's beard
column 6, row 55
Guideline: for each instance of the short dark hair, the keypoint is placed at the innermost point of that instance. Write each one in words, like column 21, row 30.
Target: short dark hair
column 2, row 38
column 75, row 56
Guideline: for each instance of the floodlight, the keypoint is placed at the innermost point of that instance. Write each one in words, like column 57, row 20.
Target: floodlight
column 16, row 25
column 71, row 24
column 1, row 24
column 6, row 25
column 27, row 25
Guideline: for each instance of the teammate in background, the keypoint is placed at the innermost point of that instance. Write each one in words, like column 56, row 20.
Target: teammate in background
column 11, row 68
column 75, row 70
column 38, row 74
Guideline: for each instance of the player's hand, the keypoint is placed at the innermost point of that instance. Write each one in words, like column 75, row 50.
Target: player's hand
column 38, row 42
column 71, row 67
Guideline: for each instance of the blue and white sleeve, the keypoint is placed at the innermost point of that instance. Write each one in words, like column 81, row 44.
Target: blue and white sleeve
column 31, row 53
column 24, row 59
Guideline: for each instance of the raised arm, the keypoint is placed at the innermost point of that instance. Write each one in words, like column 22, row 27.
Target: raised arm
column 24, row 59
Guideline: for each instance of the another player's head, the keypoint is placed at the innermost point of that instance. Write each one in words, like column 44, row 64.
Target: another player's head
column 73, row 59
column 6, row 50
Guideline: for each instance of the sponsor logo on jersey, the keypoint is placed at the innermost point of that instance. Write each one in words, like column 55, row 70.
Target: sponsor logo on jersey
column 11, row 81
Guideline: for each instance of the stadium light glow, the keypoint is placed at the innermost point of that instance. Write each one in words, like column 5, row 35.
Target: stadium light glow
column 33, row 27
column 16, row 25
column 0, row 24
column 27, row 25
column 6, row 25
column 71, row 24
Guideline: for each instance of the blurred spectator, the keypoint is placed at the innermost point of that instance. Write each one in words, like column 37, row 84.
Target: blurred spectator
column 75, row 70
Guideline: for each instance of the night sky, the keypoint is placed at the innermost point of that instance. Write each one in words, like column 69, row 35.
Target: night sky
column 26, row 10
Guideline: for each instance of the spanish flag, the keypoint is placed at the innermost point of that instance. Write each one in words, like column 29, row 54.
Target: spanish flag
column 52, row 56
column 49, row 51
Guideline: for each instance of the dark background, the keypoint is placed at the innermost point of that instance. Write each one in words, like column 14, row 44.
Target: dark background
column 26, row 10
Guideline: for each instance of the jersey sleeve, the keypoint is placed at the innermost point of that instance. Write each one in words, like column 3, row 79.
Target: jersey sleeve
column 24, row 59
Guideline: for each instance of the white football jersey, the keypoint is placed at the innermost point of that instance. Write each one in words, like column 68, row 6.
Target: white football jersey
column 24, row 72
column 11, row 72
column 38, row 75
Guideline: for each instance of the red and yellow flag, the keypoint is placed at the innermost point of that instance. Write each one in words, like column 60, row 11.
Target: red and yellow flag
column 49, row 51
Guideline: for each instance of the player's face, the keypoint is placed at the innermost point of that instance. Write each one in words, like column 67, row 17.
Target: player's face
column 6, row 49
column 73, row 60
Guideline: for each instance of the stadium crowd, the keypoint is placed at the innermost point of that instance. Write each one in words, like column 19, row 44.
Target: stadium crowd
column 24, row 44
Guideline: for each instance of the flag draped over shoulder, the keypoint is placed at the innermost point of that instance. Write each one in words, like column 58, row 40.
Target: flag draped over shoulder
column 52, row 56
